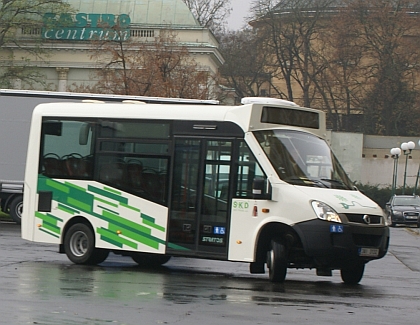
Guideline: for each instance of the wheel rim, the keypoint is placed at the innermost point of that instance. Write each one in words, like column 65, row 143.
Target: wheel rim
column 79, row 244
column 19, row 209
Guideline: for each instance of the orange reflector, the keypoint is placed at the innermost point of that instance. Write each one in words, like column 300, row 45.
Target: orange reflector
column 39, row 225
column 239, row 242
column 119, row 232
column 265, row 210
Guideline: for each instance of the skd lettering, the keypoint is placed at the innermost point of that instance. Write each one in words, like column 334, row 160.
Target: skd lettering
column 240, row 205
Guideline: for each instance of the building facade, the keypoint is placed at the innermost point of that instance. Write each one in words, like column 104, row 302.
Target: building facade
column 68, row 39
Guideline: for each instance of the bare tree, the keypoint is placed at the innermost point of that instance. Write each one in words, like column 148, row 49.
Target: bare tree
column 161, row 68
column 340, row 86
column 20, row 13
column 23, row 16
column 248, row 67
column 210, row 13
column 291, row 28
column 347, row 57
column 388, row 30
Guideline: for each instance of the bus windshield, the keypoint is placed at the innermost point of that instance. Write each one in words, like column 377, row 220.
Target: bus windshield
column 303, row 159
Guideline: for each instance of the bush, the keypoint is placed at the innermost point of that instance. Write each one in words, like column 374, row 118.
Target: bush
column 383, row 194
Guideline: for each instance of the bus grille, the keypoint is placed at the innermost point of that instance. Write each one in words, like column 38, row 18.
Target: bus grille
column 358, row 218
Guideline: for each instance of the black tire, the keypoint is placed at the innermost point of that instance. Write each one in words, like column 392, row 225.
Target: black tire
column 79, row 245
column 352, row 274
column 277, row 262
column 150, row 260
column 15, row 209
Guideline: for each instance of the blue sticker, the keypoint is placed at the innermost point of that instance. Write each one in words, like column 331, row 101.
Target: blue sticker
column 337, row 229
column 219, row 230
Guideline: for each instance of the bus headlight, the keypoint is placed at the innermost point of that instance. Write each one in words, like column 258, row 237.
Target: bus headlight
column 325, row 212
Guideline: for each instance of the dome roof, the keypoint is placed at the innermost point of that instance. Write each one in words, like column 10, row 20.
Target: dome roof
column 146, row 12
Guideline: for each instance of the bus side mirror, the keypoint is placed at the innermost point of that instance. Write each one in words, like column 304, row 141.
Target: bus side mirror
column 261, row 189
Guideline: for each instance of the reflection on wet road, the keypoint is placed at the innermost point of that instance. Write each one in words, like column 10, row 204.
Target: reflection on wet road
column 39, row 286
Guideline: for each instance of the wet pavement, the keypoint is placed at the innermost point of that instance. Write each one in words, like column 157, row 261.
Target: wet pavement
column 40, row 286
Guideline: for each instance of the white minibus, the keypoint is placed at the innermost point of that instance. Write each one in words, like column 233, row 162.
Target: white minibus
column 255, row 183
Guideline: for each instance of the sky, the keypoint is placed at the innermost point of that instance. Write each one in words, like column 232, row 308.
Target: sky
column 240, row 10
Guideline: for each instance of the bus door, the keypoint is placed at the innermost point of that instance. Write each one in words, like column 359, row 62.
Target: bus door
column 200, row 205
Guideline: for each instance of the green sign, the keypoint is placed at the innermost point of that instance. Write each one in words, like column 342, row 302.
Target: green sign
column 86, row 27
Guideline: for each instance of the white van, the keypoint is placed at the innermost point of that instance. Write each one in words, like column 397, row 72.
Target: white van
column 255, row 183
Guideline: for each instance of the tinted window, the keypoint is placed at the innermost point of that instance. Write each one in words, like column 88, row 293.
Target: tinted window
column 133, row 129
column 66, row 149
column 134, row 156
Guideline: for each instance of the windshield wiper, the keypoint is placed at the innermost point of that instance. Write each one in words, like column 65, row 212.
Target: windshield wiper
column 334, row 181
column 306, row 180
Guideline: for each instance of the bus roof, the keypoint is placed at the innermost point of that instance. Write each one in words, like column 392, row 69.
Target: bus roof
column 249, row 117
column 102, row 97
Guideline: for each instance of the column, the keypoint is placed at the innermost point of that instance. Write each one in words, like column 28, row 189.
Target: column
column 62, row 78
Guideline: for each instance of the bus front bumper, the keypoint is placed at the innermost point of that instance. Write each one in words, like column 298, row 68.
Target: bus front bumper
column 333, row 245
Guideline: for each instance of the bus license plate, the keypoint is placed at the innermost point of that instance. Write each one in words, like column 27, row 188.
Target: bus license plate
column 371, row 252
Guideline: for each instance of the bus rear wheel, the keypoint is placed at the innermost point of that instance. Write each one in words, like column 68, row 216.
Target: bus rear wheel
column 79, row 245
column 150, row 260
column 277, row 262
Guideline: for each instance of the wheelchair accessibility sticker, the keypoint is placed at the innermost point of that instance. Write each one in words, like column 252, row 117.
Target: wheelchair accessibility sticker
column 337, row 229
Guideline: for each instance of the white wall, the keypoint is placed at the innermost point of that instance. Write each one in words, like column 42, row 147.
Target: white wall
column 348, row 147
column 367, row 158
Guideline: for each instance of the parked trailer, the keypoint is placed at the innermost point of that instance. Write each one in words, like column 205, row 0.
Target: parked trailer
column 11, row 198
column 16, row 108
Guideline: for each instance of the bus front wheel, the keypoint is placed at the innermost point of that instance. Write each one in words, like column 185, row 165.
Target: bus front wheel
column 79, row 245
column 277, row 262
column 352, row 274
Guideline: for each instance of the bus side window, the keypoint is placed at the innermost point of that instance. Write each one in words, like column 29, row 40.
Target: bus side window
column 63, row 155
column 137, row 173
column 113, row 173
column 51, row 165
column 248, row 170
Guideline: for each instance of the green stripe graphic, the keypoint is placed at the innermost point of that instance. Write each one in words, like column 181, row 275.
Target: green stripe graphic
column 74, row 199
column 67, row 209
column 112, row 196
column 105, row 233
